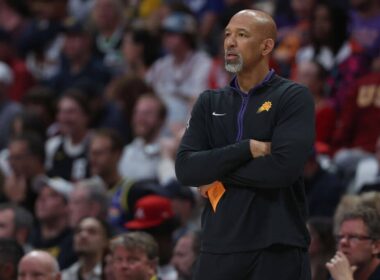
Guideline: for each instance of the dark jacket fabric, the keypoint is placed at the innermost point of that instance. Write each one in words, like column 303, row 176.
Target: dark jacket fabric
column 264, row 202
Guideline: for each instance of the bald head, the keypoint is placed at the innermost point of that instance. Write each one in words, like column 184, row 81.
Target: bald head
column 39, row 263
column 260, row 21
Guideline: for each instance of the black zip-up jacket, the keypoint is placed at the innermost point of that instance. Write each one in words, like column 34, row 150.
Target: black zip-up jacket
column 265, row 201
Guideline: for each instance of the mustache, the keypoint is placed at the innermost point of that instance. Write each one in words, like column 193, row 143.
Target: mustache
column 231, row 52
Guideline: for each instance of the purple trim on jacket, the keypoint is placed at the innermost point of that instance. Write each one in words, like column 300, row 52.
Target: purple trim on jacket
column 245, row 98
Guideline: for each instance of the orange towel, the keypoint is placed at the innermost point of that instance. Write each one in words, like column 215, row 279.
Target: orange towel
column 214, row 193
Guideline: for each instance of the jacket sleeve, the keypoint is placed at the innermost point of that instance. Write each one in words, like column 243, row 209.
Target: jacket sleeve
column 197, row 163
column 292, row 142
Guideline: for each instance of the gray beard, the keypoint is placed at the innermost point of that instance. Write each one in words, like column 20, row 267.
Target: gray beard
column 234, row 67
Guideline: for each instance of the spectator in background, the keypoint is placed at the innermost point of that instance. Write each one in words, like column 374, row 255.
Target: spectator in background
column 39, row 101
column 109, row 25
column 207, row 14
column 153, row 214
column 38, row 263
column 323, row 188
column 78, row 63
column 17, row 223
column 331, row 47
column 88, row 199
column 140, row 49
column 40, row 42
column 13, row 16
column 23, row 80
column 10, row 255
column 184, row 206
column 140, row 159
column 125, row 91
column 293, row 32
column 185, row 253
column 322, row 246
column 90, row 243
column 80, row 9
column 357, row 129
column 105, row 151
column 313, row 75
column 134, row 256
column 26, row 157
column 358, row 242
column 66, row 154
column 53, row 233
column 183, row 73
column 8, row 108
column 365, row 25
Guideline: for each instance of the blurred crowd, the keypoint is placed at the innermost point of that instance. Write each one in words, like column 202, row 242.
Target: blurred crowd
column 95, row 96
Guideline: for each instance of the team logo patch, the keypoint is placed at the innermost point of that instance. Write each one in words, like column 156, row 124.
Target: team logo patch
column 265, row 107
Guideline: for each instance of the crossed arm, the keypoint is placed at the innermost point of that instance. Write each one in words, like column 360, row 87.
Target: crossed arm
column 257, row 148
column 248, row 162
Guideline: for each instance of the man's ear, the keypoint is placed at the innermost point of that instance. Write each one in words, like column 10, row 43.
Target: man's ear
column 376, row 247
column 267, row 46
column 153, row 264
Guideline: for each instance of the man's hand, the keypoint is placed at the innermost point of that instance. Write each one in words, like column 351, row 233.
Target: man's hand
column 203, row 190
column 340, row 268
column 259, row 149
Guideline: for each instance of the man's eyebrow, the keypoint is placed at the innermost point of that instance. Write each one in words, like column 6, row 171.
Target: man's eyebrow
column 238, row 29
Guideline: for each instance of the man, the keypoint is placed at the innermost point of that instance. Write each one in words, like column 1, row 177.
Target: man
column 185, row 253
column 154, row 214
column 38, row 264
column 53, row 233
column 15, row 222
column 26, row 159
column 358, row 243
column 106, row 147
column 10, row 254
column 256, row 217
column 357, row 131
column 90, row 243
column 134, row 256
column 78, row 64
column 313, row 75
column 140, row 159
column 66, row 154
column 183, row 73
column 88, row 199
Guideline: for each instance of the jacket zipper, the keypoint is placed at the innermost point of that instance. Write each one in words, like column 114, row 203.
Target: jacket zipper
column 245, row 99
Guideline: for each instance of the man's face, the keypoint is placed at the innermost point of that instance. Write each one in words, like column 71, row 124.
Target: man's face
column 34, row 268
column 50, row 205
column 105, row 13
column 70, row 116
column 183, row 256
column 102, row 158
column 89, row 237
column 307, row 75
column 79, row 206
column 20, row 158
column 322, row 25
column 7, row 227
column 132, row 264
column 355, row 243
column 76, row 45
column 173, row 42
column 146, row 121
column 242, row 41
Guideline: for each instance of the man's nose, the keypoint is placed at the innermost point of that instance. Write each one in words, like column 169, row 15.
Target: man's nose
column 344, row 241
column 230, row 41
